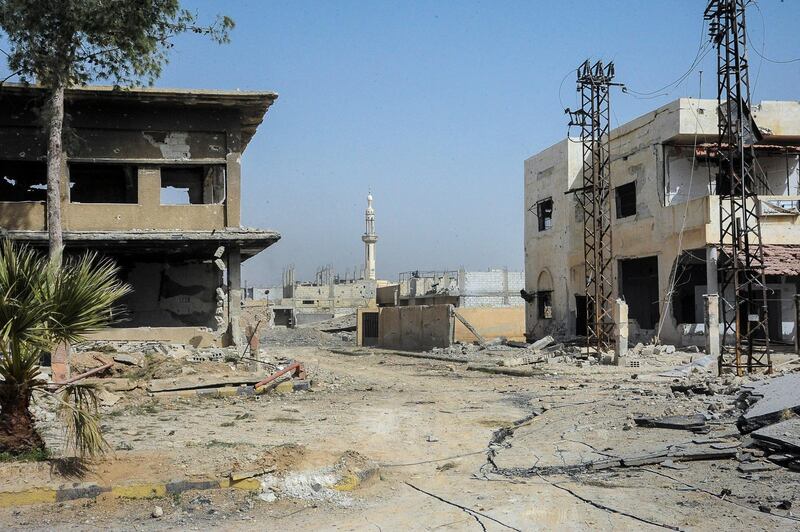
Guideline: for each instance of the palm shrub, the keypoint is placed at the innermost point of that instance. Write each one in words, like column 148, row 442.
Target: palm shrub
column 43, row 304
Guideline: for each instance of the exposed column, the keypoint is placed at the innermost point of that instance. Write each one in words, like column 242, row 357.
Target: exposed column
column 711, row 312
column 797, row 323
column 235, row 296
column 712, row 283
column 620, row 329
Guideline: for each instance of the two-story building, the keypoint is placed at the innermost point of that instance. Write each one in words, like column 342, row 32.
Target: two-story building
column 152, row 179
column 665, row 222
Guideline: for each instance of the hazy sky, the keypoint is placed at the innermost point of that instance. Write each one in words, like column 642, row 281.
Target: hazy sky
column 435, row 105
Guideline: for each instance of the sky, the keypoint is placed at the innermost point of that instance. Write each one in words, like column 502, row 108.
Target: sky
column 434, row 106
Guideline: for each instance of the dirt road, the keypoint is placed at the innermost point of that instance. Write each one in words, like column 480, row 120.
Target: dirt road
column 428, row 426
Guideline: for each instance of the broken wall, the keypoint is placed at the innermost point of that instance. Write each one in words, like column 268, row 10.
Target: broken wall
column 172, row 293
column 145, row 137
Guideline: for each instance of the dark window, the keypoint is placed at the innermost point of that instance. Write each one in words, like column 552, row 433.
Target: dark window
column 625, row 196
column 544, row 211
column 544, row 300
column 23, row 181
column 192, row 185
column 308, row 302
column 103, row 183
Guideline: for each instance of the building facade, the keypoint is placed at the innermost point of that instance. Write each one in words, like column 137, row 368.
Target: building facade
column 152, row 179
column 665, row 222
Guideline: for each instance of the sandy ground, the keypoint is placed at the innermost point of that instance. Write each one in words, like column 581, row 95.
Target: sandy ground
column 427, row 424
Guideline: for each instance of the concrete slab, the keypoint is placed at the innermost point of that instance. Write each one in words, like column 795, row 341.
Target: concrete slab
column 785, row 434
column 775, row 396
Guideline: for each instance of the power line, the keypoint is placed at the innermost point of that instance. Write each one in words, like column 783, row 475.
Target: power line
column 760, row 54
column 703, row 48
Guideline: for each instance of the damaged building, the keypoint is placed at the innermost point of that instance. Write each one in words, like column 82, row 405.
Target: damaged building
column 665, row 223
column 152, row 179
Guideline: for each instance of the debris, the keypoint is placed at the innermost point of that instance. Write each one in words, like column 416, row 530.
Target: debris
column 124, row 358
column 756, row 467
column 516, row 372
column 520, row 361
column 514, row 343
column 295, row 368
column 693, row 422
column 669, row 464
column 195, row 382
column 784, row 435
column 774, row 397
column 542, row 343
column 703, row 364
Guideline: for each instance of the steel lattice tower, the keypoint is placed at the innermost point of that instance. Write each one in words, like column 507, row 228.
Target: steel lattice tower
column 594, row 82
column 741, row 261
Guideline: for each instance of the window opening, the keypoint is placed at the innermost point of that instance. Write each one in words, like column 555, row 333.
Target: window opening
column 625, row 196
column 192, row 185
column 103, row 183
column 23, row 181
column 544, row 211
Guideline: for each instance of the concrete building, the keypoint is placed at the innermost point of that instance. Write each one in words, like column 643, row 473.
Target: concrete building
column 328, row 295
column 665, row 222
column 152, row 179
column 492, row 288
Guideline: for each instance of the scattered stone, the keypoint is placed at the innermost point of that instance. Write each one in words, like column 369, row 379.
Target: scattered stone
column 158, row 511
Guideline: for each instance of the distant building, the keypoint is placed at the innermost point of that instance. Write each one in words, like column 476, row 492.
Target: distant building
column 491, row 288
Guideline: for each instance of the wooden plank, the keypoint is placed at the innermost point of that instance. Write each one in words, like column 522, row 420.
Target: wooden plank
column 470, row 328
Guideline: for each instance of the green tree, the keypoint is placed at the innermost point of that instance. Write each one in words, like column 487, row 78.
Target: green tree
column 42, row 304
column 63, row 43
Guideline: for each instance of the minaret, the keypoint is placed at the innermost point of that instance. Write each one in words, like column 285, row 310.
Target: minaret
column 369, row 238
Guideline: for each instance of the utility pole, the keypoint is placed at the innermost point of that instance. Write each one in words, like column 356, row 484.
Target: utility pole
column 594, row 197
column 745, row 334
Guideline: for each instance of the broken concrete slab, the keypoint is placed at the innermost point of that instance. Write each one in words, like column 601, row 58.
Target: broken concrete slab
column 692, row 422
column 648, row 459
column 784, row 435
column 775, row 397
column 756, row 467
column 705, row 364
column 542, row 343
column 124, row 358
column 686, row 455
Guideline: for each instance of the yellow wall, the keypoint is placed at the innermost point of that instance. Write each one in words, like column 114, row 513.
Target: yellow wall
column 508, row 322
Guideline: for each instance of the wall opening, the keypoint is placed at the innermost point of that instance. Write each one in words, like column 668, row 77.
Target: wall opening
column 192, row 185
column 170, row 292
column 580, row 315
column 103, row 183
column 544, row 211
column 23, row 181
column 369, row 328
column 544, row 300
column 690, row 285
column 639, row 288
column 625, row 199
